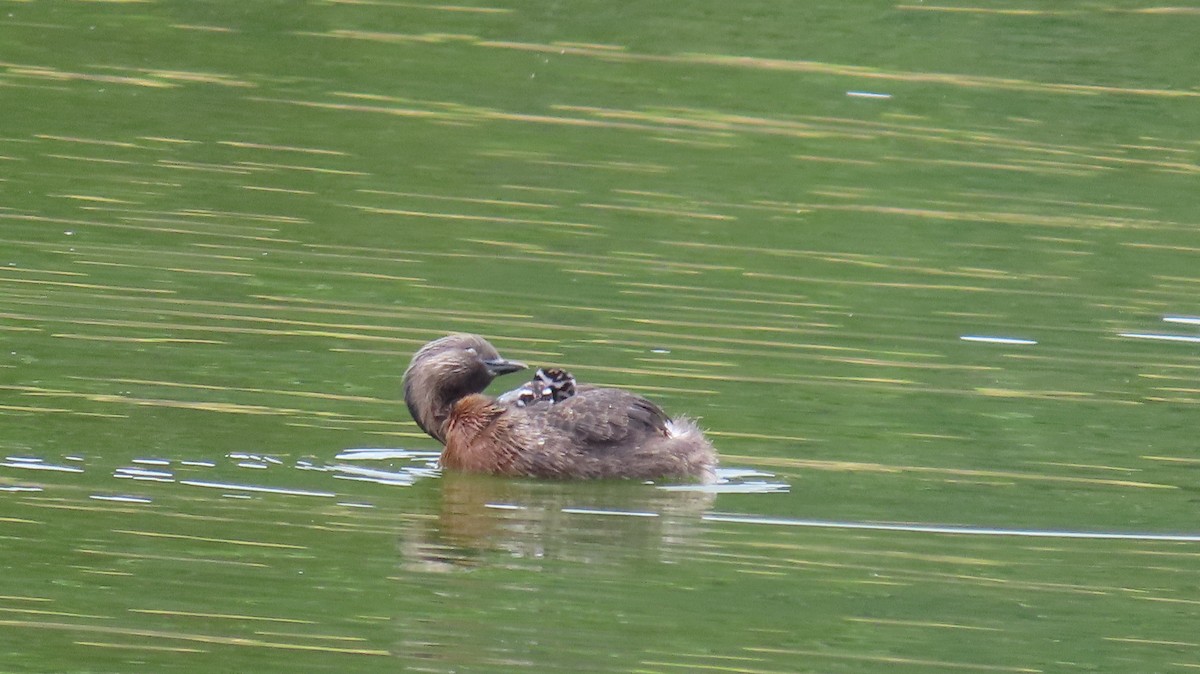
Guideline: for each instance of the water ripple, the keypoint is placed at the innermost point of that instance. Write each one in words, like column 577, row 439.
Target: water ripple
column 952, row 529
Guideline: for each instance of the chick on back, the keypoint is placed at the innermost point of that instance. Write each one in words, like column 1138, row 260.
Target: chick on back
column 548, row 385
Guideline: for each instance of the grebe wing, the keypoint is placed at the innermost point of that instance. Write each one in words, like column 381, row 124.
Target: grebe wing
column 595, row 417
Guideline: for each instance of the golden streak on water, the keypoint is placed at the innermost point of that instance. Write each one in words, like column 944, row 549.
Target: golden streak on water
column 542, row 189
column 893, row 660
column 877, row 362
column 817, row 67
column 191, row 559
column 697, row 666
column 805, row 329
column 375, row 36
column 661, row 389
column 53, row 74
column 185, row 636
column 207, row 272
column 197, row 166
column 27, row 408
column 139, row 646
column 89, row 141
column 294, row 635
column 836, row 160
column 465, row 200
column 203, row 406
column 463, row 216
column 389, row 434
column 934, row 436
column 708, row 124
column 681, row 361
column 674, row 374
column 469, row 9
column 592, row 272
column 209, row 29
column 857, row 466
column 358, row 309
column 218, row 220
column 87, row 286
column 19, row 520
column 296, row 167
column 1170, row 600
column 660, row 211
column 96, row 160
column 1028, row 166
column 51, row 272
column 355, row 107
column 283, row 148
column 1035, row 395
column 279, row 190
column 236, row 330
column 922, row 623
column 914, row 285
column 757, row 436
column 205, row 539
column 1172, row 459
column 63, row 614
column 1154, row 642
column 136, row 340
column 205, row 387
column 226, row 616
column 153, row 229
column 1121, row 469
column 173, row 141
column 986, row 10
column 608, row 165
column 716, row 297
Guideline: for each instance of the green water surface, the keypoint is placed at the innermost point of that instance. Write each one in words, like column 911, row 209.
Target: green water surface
column 225, row 227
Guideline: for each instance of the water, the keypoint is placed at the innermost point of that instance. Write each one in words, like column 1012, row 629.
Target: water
column 926, row 273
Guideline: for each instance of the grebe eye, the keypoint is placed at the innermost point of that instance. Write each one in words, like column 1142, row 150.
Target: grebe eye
column 471, row 350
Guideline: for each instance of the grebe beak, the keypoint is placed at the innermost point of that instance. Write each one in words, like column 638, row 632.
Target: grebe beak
column 500, row 366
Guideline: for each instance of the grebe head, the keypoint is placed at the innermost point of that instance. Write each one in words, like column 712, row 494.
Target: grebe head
column 447, row 369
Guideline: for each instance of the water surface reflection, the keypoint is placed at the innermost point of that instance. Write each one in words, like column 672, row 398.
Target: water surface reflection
column 482, row 519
